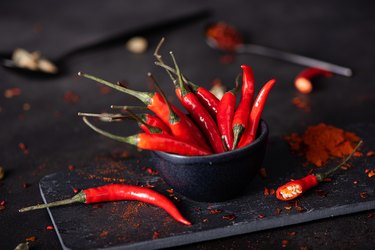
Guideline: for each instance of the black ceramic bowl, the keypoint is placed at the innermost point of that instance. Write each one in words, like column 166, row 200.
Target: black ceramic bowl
column 216, row 177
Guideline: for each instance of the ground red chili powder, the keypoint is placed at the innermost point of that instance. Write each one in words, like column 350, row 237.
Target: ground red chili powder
column 322, row 142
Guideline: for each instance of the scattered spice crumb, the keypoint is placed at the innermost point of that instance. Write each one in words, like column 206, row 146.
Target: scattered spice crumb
column 292, row 233
column 322, row 142
column 26, row 185
column 371, row 215
column 363, row 195
column 370, row 153
column 302, row 102
column 49, row 227
column 215, row 211
column 26, row 106
column 263, row 173
column 2, row 173
column 12, row 92
column 2, row 205
column 155, row 235
column 304, row 248
column 71, row 167
column 71, row 97
column 300, row 209
column 103, row 233
column 371, row 173
column 261, row 216
column 278, row 211
column 268, row 191
column 151, row 171
column 284, row 243
column 23, row 148
column 31, row 238
column 105, row 90
column 229, row 217
column 321, row 192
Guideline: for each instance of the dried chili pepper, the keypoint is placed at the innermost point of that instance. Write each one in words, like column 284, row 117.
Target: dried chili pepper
column 303, row 80
column 159, row 142
column 296, row 188
column 118, row 192
column 241, row 116
column 224, row 118
column 250, row 132
column 198, row 112
column 186, row 131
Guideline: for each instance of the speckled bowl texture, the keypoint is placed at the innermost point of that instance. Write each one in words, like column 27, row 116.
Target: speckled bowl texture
column 216, row 177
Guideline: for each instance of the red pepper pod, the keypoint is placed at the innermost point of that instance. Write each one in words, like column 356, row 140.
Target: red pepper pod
column 208, row 100
column 224, row 118
column 118, row 192
column 156, row 122
column 250, row 132
column 241, row 116
column 296, row 188
column 303, row 80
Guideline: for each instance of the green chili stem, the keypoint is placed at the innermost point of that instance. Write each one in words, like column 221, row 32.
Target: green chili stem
column 321, row 176
column 133, row 139
column 184, row 91
column 143, row 96
column 78, row 198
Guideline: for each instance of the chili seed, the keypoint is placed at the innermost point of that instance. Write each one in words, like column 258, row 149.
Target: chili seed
column 363, row 195
column 137, row 45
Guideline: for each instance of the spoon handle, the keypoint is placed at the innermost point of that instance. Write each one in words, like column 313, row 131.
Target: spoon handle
column 294, row 58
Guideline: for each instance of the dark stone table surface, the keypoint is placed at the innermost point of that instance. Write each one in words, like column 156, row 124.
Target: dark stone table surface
column 44, row 115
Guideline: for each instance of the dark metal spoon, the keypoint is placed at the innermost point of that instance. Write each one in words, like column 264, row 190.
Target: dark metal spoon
column 241, row 47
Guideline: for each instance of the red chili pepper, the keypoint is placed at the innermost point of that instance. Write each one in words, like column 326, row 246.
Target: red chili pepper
column 209, row 100
column 155, row 122
column 182, row 127
column 250, row 132
column 199, row 114
column 224, row 118
column 296, row 188
column 159, row 142
column 241, row 116
column 303, row 80
column 118, row 192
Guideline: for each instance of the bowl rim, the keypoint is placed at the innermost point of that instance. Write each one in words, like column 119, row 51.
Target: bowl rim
column 264, row 130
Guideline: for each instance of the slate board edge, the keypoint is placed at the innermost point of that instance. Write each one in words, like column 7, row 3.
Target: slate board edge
column 230, row 230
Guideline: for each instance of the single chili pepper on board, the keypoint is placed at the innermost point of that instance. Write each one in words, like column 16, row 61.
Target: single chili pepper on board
column 158, row 142
column 241, row 116
column 293, row 189
column 250, row 132
column 186, row 131
column 303, row 80
column 198, row 112
column 118, row 192
column 224, row 118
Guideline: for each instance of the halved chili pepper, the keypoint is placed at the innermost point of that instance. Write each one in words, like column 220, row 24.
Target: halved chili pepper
column 186, row 130
column 198, row 112
column 250, row 132
column 293, row 189
column 118, row 192
column 303, row 80
column 159, row 142
column 241, row 116
column 224, row 118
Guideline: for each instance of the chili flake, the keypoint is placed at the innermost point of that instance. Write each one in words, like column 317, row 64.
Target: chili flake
column 155, row 235
column 229, row 217
column 31, row 238
column 263, row 173
column 2, row 173
column 363, row 195
column 215, row 211
column 23, row 148
column 49, row 227
column 284, row 243
column 12, row 92
column 292, row 233
column 261, row 216
column 278, row 211
column 151, row 171
column 370, row 153
column 371, row 173
column 103, row 233
column 71, row 97
column 71, row 167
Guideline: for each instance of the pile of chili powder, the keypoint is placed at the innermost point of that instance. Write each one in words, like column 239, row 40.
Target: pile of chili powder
column 322, row 142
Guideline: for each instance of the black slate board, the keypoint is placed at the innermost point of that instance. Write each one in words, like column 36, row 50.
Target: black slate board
column 132, row 225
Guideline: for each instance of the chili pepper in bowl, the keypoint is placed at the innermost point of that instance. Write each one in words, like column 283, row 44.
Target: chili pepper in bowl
column 241, row 116
column 186, row 130
column 159, row 142
column 293, row 189
column 224, row 118
column 303, row 80
column 118, row 192
column 250, row 132
column 198, row 112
